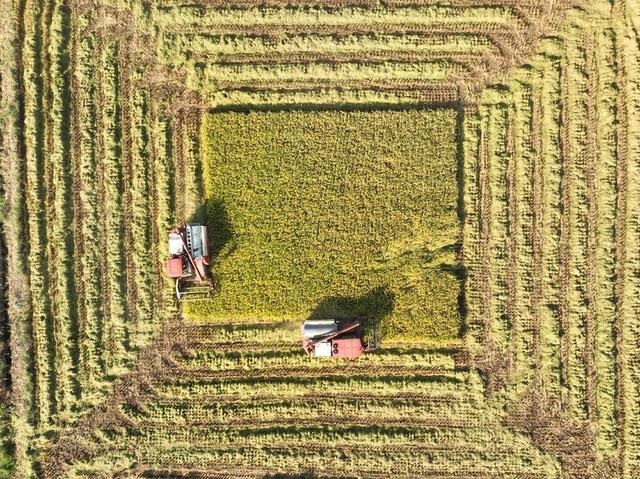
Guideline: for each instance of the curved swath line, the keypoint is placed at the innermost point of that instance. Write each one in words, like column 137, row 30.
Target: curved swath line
column 504, row 44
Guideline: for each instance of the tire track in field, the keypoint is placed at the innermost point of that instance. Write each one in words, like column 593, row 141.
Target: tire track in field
column 537, row 247
column 592, row 222
column 57, row 200
column 310, row 397
column 152, row 178
column 513, row 224
column 47, row 195
column 484, row 227
column 349, row 450
column 244, row 346
column 179, row 167
column 306, row 85
column 504, row 37
column 193, row 181
column 205, row 374
column 371, row 57
column 566, row 184
column 149, row 472
column 342, row 421
column 103, row 331
column 621, row 251
column 520, row 7
column 84, row 358
column 127, row 169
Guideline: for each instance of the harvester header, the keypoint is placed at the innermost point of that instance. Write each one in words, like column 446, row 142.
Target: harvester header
column 332, row 338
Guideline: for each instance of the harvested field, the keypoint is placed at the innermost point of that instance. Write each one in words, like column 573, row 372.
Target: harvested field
column 474, row 161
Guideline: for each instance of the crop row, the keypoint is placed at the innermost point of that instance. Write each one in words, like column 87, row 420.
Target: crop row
column 35, row 209
column 164, row 211
column 396, row 385
column 550, row 228
column 276, row 54
column 432, row 71
column 475, row 439
column 60, row 238
column 87, row 176
column 138, row 198
column 270, row 359
column 90, row 252
column 602, row 70
column 363, row 460
column 529, row 6
column 359, row 94
column 113, row 226
column 628, row 237
column 176, row 48
column 578, row 204
column 312, row 410
column 168, row 19
column 203, row 334
column 17, row 315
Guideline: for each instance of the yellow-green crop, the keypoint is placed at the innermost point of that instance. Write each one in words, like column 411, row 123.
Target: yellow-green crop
column 334, row 214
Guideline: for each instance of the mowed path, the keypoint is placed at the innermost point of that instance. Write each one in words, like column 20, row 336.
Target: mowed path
column 243, row 400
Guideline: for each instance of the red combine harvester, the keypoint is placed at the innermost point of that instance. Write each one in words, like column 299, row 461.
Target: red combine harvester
column 188, row 262
column 331, row 338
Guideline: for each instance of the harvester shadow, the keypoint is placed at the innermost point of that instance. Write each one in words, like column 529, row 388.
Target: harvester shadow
column 221, row 236
column 214, row 214
column 370, row 308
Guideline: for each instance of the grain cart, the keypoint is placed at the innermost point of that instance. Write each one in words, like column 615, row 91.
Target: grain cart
column 188, row 262
column 332, row 338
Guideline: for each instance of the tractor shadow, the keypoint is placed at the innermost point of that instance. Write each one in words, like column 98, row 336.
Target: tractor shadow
column 371, row 309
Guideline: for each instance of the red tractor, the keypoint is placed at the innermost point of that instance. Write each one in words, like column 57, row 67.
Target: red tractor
column 188, row 262
column 331, row 338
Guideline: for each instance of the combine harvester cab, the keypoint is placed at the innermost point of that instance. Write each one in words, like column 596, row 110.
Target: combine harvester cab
column 189, row 262
column 332, row 338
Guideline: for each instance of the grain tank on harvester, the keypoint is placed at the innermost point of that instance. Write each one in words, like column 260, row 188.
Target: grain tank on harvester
column 188, row 262
column 332, row 338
